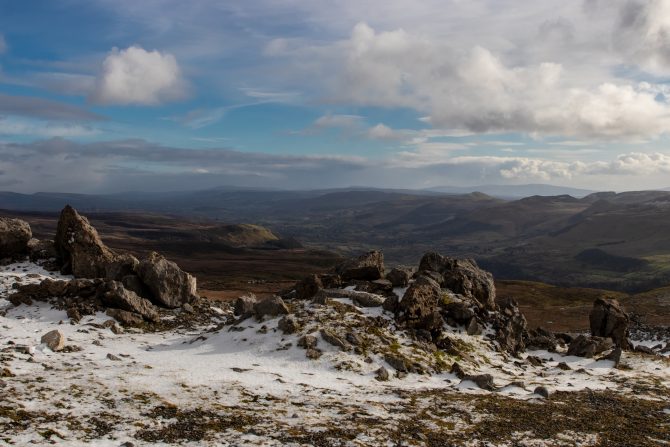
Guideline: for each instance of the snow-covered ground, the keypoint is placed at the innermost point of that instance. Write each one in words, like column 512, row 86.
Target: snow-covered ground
column 252, row 385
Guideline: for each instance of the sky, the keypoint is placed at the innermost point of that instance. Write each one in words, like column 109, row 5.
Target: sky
column 159, row 95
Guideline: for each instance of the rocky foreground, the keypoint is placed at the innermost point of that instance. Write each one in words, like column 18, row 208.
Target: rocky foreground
column 101, row 348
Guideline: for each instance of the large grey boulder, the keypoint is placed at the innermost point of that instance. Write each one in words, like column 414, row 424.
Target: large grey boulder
column 399, row 276
column 367, row 267
column 14, row 237
column 308, row 287
column 79, row 247
column 170, row 286
column 462, row 276
column 583, row 346
column 608, row 319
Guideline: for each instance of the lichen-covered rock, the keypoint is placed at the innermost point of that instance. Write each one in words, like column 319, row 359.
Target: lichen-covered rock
column 367, row 267
column 419, row 307
column 170, row 286
column 462, row 276
column 121, row 266
column 270, row 307
column 79, row 247
column 54, row 340
column 114, row 295
column 608, row 319
column 14, row 237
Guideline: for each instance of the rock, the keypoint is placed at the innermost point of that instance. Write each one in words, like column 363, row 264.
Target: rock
column 382, row 374
column 14, row 237
column 271, row 307
column 397, row 362
column 54, row 340
column 113, row 358
column 116, row 296
column 614, row 356
column 170, row 286
column 41, row 249
column 187, row 308
column 308, row 287
column 365, row 299
column 313, row 354
column 121, row 266
column 474, row 328
column 73, row 314
column 320, row 298
column 418, row 308
column 457, row 370
column 308, row 342
column 353, row 338
column 126, row 318
column 367, row 267
column 462, row 276
column 334, row 340
column 378, row 286
column 391, row 304
column 457, row 310
column 288, row 324
column 511, row 328
column 564, row 366
column 134, row 283
column 583, row 346
column 483, row 381
column 608, row 319
column 542, row 391
column 644, row 349
column 399, row 276
column 542, row 339
column 79, row 247
column 244, row 306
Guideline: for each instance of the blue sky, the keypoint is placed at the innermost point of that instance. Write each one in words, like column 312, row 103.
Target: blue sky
column 99, row 96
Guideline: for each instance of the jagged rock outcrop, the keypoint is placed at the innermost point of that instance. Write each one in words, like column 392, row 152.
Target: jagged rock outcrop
column 511, row 328
column 170, row 286
column 462, row 276
column 608, row 319
column 419, row 307
column 41, row 249
column 367, row 267
column 14, row 237
column 79, row 247
column 308, row 287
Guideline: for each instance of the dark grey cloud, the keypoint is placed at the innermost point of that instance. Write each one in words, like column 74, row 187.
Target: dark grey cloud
column 34, row 107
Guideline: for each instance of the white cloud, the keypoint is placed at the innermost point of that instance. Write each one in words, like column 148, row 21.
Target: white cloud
column 338, row 121
column 475, row 90
column 643, row 33
column 137, row 76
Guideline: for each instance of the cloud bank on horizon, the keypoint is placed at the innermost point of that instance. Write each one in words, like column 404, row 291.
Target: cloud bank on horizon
column 162, row 94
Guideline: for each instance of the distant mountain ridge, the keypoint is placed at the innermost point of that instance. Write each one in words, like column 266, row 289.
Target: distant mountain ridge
column 516, row 191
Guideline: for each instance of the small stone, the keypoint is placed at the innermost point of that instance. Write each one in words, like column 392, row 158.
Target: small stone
column 312, row 354
column 474, row 328
column 483, row 381
column 186, row 307
column 382, row 374
column 308, row 341
column 541, row 391
column 54, row 340
column 113, row 358
column 564, row 366
column 288, row 324
column 334, row 340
